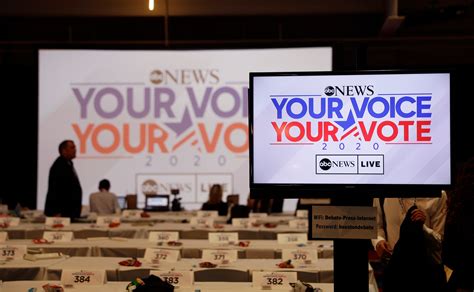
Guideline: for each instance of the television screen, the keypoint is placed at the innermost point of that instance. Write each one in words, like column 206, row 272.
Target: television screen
column 379, row 133
column 157, row 202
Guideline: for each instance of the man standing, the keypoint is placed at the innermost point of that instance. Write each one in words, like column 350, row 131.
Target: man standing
column 64, row 197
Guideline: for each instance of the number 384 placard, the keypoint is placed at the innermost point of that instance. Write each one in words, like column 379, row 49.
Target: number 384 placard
column 83, row 277
column 273, row 280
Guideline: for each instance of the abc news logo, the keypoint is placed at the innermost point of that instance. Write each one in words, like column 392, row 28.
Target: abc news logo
column 350, row 164
column 349, row 90
column 326, row 164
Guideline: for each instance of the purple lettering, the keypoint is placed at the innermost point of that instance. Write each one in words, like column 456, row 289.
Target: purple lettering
column 216, row 106
column 83, row 100
column 164, row 104
column 113, row 93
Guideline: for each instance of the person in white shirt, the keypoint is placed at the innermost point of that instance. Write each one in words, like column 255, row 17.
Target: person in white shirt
column 410, row 245
column 104, row 202
column 430, row 211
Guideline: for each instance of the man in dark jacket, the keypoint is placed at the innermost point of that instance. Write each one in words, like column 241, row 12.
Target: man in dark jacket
column 411, row 267
column 64, row 197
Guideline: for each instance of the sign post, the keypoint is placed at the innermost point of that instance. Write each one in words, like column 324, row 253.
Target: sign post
column 351, row 227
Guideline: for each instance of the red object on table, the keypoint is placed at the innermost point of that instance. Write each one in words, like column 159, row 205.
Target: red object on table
column 207, row 265
column 114, row 224
column 286, row 265
column 133, row 262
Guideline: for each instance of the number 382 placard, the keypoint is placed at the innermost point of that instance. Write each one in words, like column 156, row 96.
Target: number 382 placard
column 273, row 280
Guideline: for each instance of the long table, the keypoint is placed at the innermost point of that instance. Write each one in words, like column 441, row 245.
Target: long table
column 23, row 286
column 238, row 271
column 190, row 248
column 141, row 230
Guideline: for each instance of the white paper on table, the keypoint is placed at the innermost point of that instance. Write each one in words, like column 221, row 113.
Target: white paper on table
column 300, row 255
column 292, row 238
column 258, row 215
column 240, row 222
column 273, row 280
column 219, row 255
column 302, row 213
column 298, row 223
column 223, row 237
column 208, row 221
column 132, row 214
column 156, row 255
column 59, row 236
column 51, row 221
column 163, row 236
column 212, row 214
column 83, row 277
column 12, row 251
column 106, row 220
column 181, row 279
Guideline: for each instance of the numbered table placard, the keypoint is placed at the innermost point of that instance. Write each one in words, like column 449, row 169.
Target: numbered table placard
column 211, row 214
column 305, row 256
column 273, row 280
column 258, row 215
column 222, row 256
column 106, row 220
column 9, row 221
column 301, row 213
column 83, row 277
column 57, row 221
column 223, row 237
column 181, row 279
column 3, row 236
column 240, row 222
column 163, row 236
column 202, row 221
column 156, row 255
column 58, row 236
column 298, row 223
column 292, row 238
column 132, row 214
column 12, row 251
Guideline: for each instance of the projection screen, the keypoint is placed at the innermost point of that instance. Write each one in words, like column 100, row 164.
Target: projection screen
column 151, row 121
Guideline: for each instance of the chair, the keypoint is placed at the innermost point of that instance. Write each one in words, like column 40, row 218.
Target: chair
column 128, row 252
column 260, row 254
column 131, row 200
column 129, row 275
column 221, row 275
column 22, row 273
column 86, row 233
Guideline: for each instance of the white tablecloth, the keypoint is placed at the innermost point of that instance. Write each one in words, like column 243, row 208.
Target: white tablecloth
column 23, row 286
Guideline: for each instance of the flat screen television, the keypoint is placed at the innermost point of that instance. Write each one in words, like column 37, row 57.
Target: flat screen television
column 373, row 133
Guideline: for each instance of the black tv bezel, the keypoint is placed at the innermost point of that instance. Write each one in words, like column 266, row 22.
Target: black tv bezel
column 322, row 190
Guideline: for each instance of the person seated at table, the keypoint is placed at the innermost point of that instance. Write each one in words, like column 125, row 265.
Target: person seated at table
column 265, row 204
column 104, row 202
column 215, row 203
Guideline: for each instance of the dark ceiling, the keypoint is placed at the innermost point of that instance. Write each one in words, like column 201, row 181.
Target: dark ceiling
column 364, row 34
column 237, row 22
